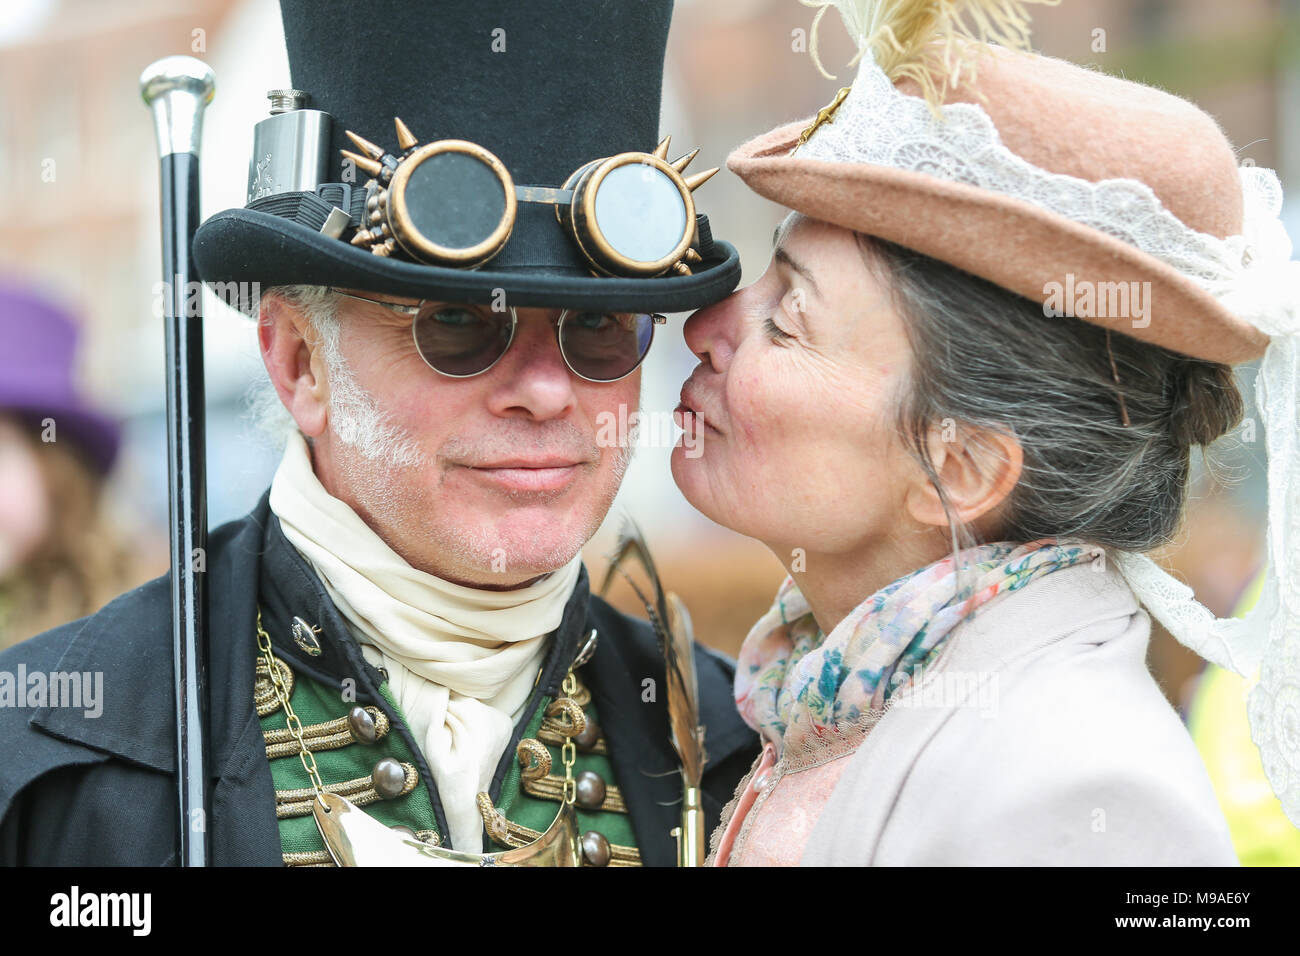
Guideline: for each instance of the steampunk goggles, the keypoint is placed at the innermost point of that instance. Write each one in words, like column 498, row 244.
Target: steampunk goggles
column 453, row 203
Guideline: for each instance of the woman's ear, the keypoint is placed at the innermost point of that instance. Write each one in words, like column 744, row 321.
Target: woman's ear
column 291, row 352
column 977, row 468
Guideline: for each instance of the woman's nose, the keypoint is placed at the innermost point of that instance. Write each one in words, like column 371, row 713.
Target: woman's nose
column 710, row 332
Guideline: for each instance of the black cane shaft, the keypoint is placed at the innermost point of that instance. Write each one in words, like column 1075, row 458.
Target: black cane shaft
column 186, row 463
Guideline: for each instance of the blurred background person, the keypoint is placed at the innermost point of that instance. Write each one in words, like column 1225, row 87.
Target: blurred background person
column 60, row 556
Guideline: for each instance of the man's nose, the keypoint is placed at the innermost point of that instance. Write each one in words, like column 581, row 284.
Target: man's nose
column 532, row 378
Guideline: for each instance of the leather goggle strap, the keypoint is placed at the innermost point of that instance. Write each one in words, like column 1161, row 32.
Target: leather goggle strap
column 312, row 209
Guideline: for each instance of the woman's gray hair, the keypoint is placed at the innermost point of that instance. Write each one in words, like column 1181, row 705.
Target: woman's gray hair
column 987, row 358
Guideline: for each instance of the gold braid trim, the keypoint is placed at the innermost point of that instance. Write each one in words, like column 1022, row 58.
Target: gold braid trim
column 264, row 698
column 361, row 791
column 500, row 828
column 624, row 855
column 549, row 733
column 323, row 858
column 553, row 729
column 534, row 759
column 581, row 695
column 330, row 735
column 551, row 787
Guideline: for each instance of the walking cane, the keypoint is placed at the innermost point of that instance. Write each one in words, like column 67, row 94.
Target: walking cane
column 177, row 88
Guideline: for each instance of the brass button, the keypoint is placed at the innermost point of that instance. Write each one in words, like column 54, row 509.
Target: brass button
column 362, row 725
column 589, row 737
column 595, row 849
column 591, row 790
column 389, row 778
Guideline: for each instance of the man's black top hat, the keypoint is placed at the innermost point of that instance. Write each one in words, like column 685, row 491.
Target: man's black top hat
column 545, row 85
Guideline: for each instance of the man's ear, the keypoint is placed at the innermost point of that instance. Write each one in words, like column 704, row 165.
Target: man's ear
column 293, row 359
column 977, row 468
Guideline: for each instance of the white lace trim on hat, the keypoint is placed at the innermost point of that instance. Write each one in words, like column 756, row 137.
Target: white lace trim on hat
column 1252, row 275
column 880, row 125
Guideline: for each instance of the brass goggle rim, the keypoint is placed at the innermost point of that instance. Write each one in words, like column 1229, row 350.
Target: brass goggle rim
column 581, row 214
column 420, row 246
column 414, row 309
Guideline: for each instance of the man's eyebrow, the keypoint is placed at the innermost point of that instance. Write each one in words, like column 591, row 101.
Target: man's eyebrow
column 786, row 259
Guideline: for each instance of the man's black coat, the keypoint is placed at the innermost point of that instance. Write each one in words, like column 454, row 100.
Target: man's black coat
column 78, row 790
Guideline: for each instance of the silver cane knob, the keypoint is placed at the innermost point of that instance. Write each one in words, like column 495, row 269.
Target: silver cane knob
column 177, row 88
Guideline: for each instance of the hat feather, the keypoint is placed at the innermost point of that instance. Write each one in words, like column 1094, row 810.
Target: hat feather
column 926, row 40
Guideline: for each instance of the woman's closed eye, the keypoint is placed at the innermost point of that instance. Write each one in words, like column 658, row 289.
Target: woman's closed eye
column 788, row 310
column 774, row 331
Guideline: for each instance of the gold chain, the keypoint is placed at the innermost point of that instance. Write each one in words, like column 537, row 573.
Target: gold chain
column 295, row 725
column 568, row 752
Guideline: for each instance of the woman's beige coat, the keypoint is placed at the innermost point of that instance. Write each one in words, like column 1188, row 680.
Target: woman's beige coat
column 1038, row 737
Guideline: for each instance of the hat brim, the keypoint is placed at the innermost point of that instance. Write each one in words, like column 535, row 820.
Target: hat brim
column 1014, row 243
column 245, row 246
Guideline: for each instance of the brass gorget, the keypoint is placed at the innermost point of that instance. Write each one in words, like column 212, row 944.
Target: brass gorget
column 355, row 839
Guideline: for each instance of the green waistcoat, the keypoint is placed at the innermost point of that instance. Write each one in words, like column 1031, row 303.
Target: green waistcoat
column 340, row 741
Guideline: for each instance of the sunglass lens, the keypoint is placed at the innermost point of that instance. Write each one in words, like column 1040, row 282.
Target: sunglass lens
column 459, row 340
column 606, row 346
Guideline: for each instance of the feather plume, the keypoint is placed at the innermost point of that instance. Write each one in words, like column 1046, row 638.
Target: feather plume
column 684, row 691
column 933, row 42
column 672, row 627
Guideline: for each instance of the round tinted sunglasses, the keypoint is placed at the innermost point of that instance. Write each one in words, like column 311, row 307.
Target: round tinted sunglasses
column 465, row 340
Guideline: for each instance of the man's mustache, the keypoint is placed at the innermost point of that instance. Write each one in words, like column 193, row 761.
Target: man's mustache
column 554, row 439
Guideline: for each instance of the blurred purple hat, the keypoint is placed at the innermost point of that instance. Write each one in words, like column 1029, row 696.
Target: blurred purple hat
column 38, row 343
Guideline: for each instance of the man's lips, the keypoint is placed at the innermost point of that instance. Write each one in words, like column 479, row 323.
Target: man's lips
column 549, row 461
column 524, row 474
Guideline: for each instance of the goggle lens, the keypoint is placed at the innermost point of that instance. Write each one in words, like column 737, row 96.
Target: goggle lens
column 640, row 212
column 455, row 201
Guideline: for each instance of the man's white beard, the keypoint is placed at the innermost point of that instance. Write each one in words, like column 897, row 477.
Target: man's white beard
column 358, row 421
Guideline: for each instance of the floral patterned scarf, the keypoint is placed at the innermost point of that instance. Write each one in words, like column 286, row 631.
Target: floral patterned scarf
column 793, row 683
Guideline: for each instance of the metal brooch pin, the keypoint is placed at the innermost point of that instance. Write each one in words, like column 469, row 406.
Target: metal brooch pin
column 304, row 635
